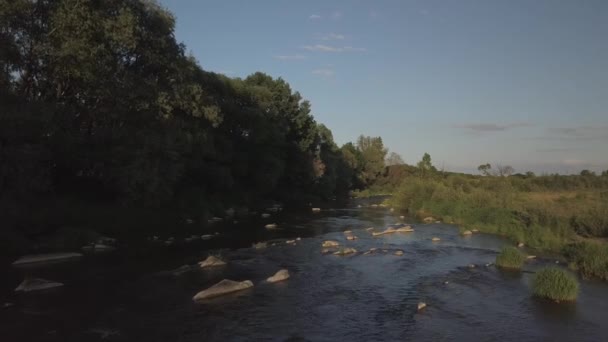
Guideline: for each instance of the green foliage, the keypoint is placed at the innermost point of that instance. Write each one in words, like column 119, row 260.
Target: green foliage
column 555, row 284
column 101, row 103
column 510, row 257
column 371, row 158
column 590, row 259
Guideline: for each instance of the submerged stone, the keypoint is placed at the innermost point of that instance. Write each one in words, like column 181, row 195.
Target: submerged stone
column 279, row 276
column 421, row 306
column 44, row 258
column 37, row 284
column 271, row 226
column 223, row 287
column 211, row 261
column 330, row 243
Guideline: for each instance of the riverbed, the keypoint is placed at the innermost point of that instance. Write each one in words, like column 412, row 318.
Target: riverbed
column 135, row 294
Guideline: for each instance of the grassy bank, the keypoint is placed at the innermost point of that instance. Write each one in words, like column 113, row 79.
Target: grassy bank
column 573, row 223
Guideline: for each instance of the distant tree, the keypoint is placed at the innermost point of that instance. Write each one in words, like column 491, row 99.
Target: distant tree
column 372, row 154
column 530, row 174
column 605, row 173
column 394, row 159
column 425, row 166
column 505, row 170
column 485, row 169
column 587, row 173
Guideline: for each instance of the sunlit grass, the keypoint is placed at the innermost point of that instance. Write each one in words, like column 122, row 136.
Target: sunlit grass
column 555, row 284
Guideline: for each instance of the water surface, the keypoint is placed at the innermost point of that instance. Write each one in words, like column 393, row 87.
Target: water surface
column 131, row 294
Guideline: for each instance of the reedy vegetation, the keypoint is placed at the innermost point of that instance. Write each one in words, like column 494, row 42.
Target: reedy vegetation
column 564, row 214
column 510, row 257
column 555, row 284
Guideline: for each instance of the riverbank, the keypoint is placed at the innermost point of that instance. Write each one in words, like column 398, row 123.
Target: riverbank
column 552, row 222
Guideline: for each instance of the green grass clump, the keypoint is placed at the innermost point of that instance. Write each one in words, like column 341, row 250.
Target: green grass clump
column 590, row 259
column 510, row 257
column 555, row 284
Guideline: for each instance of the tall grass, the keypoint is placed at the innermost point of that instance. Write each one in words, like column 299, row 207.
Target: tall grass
column 542, row 220
column 555, row 284
column 510, row 257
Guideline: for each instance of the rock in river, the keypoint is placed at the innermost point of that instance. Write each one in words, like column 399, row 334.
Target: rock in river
column 435, row 239
column 421, row 305
column 223, row 287
column 271, row 226
column 43, row 258
column 467, row 232
column 36, row 284
column 211, row 261
column 399, row 253
column 346, row 251
column 279, row 276
column 330, row 243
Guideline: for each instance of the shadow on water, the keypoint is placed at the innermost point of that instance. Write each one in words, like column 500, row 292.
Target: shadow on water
column 138, row 296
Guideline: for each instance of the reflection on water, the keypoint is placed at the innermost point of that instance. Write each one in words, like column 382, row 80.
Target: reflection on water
column 131, row 296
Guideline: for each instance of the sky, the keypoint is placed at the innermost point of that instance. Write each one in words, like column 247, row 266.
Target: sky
column 521, row 83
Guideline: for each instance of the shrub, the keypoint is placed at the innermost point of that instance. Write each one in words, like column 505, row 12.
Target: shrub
column 510, row 257
column 555, row 284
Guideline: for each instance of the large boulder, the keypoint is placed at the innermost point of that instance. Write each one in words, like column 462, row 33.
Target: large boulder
column 316, row 210
column 351, row 237
column 45, row 258
column 429, row 219
column 211, row 261
column 223, row 287
column 435, row 239
column 330, row 243
column 399, row 253
column 406, row 229
column 279, row 276
column 467, row 232
column 36, row 284
column 260, row 245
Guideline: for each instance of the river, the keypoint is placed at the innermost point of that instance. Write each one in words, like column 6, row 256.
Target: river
column 132, row 294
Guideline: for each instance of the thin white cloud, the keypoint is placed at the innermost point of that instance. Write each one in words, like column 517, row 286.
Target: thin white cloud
column 323, row 72
column 329, row 48
column 354, row 49
column 333, row 36
column 290, row 57
column 336, row 15
column 314, row 17
column 489, row 127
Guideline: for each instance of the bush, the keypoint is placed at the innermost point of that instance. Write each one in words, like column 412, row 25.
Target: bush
column 555, row 284
column 510, row 257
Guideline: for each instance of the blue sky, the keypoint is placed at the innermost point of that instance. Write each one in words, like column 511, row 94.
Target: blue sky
column 517, row 82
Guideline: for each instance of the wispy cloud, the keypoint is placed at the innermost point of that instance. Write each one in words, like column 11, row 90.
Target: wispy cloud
column 336, row 15
column 557, row 149
column 373, row 14
column 333, row 36
column 329, row 48
column 323, row 72
column 314, row 17
column 290, row 57
column 576, row 133
column 489, row 127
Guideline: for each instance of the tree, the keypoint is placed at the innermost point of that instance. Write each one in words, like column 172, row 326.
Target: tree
column 372, row 154
column 394, row 159
column 505, row 170
column 425, row 166
column 530, row 174
column 587, row 173
column 485, row 169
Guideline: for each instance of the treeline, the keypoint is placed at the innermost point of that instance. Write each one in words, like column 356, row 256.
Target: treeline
column 101, row 104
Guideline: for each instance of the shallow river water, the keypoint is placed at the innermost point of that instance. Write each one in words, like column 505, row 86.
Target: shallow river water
column 132, row 294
